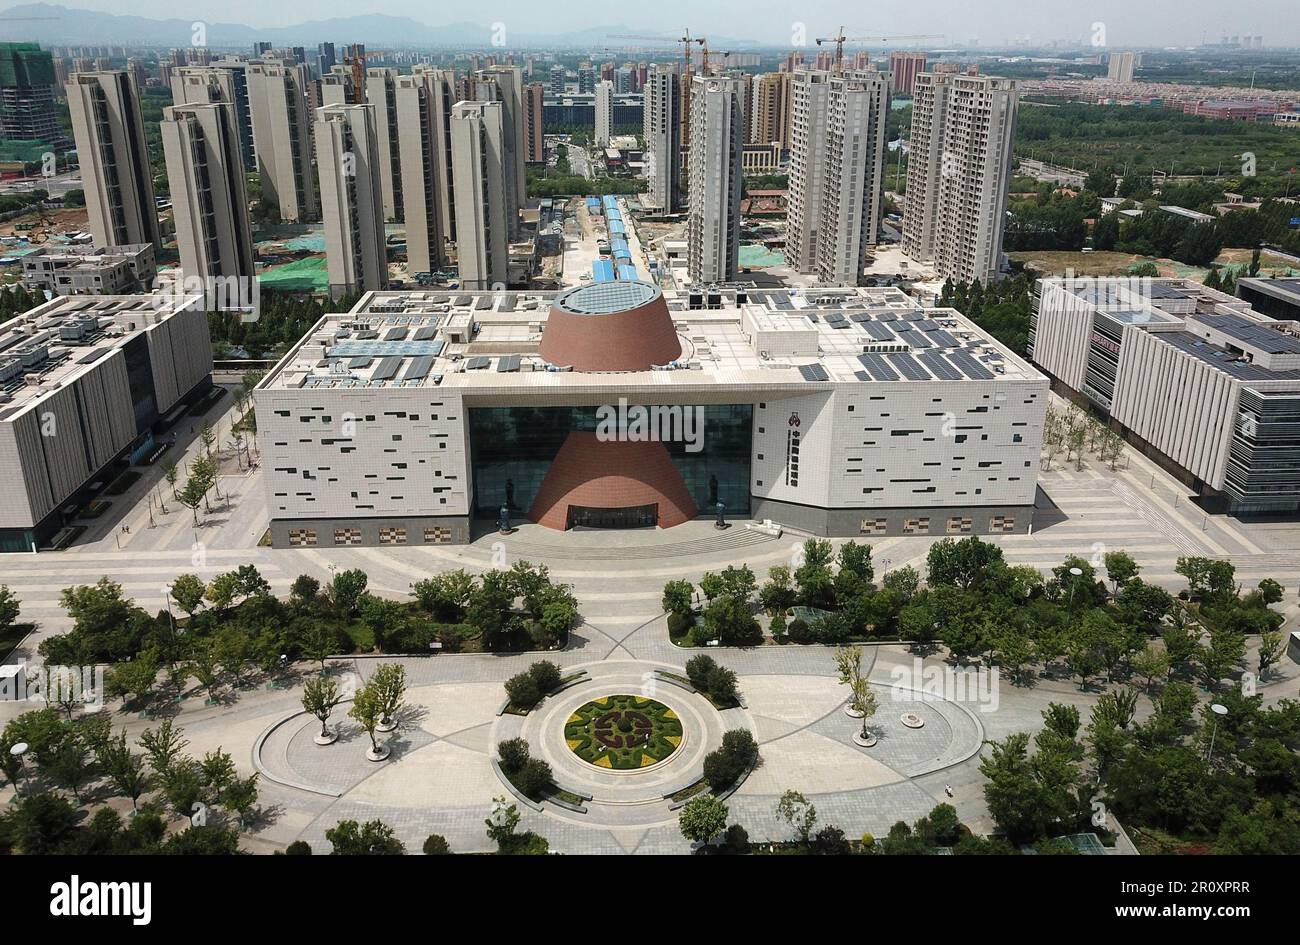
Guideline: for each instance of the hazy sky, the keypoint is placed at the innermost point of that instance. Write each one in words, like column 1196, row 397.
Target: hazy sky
column 1127, row 22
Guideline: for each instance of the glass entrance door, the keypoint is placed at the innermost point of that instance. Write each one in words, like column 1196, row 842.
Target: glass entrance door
column 631, row 516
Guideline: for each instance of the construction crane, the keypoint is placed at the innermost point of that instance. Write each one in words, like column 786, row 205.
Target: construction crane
column 358, row 64
column 685, row 39
column 840, row 39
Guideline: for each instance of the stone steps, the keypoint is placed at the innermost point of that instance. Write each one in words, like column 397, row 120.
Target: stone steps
column 732, row 538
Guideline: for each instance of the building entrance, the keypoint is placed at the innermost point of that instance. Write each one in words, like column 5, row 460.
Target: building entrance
column 631, row 516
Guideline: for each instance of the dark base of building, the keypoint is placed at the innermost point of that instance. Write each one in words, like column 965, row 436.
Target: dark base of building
column 40, row 535
column 1208, row 498
column 830, row 523
column 371, row 532
column 955, row 520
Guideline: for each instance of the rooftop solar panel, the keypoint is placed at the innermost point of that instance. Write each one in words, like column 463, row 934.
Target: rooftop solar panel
column 377, row 349
column 878, row 331
column 90, row 357
column 386, row 368
column 418, row 368
column 943, row 339
column 968, row 366
column 813, row 372
column 939, row 366
column 879, row 369
column 477, row 364
column 509, row 362
column 424, row 333
column 357, row 363
column 395, row 334
column 908, row 367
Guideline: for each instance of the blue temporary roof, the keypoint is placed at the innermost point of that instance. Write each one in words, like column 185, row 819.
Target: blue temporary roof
column 627, row 272
column 602, row 270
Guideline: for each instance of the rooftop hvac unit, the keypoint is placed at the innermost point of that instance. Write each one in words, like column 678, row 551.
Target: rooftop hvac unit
column 9, row 369
column 33, row 355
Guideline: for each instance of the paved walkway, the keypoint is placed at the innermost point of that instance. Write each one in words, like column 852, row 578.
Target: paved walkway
column 440, row 779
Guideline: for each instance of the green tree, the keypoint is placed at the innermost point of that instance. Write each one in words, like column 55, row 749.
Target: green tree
column 320, row 697
column 797, row 811
column 9, row 608
column 368, row 711
column 125, row 769
column 373, row 838
column 702, row 818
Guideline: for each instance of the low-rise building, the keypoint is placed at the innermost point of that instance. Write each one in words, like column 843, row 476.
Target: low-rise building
column 85, row 384
column 109, row 270
column 840, row 412
column 1195, row 378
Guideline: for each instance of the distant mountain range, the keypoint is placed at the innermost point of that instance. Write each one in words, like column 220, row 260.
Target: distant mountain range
column 54, row 25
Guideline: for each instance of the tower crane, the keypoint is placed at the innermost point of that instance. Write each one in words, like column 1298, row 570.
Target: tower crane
column 840, row 39
column 685, row 39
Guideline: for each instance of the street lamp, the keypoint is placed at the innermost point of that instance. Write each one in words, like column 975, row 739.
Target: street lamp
column 1074, row 573
column 1218, row 710
column 18, row 751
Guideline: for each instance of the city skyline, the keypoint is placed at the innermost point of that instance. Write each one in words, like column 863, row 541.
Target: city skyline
column 1107, row 24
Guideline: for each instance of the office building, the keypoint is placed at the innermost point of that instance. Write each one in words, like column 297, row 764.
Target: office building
column 209, row 202
column 810, row 95
column 1195, row 378
column 442, row 89
column 959, row 166
column 766, row 406
column 663, row 144
column 559, row 79
column 339, row 87
column 505, row 85
column 853, row 185
column 381, row 92
column 352, row 199
column 115, row 171
column 479, row 192
column 1120, row 66
column 423, row 120
column 109, row 270
column 85, row 386
column 277, row 95
column 1275, row 298
column 27, row 79
column 224, row 80
column 325, row 58
column 604, row 112
column 904, row 67
column 770, row 118
column 534, row 123
column 717, row 141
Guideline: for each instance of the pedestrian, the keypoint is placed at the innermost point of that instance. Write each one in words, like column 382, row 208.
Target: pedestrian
column 947, row 789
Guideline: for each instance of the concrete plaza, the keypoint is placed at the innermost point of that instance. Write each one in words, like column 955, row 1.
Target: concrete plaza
column 440, row 779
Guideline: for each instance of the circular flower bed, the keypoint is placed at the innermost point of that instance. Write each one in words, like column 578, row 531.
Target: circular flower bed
column 623, row 731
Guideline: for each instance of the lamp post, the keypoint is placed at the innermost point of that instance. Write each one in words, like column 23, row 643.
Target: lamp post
column 1218, row 710
column 18, row 751
column 1075, row 573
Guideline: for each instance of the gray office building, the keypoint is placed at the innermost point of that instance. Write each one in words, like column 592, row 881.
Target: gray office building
column 1195, row 378
column 86, row 386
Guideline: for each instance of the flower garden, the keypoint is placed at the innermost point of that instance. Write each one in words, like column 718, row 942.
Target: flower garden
column 623, row 732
